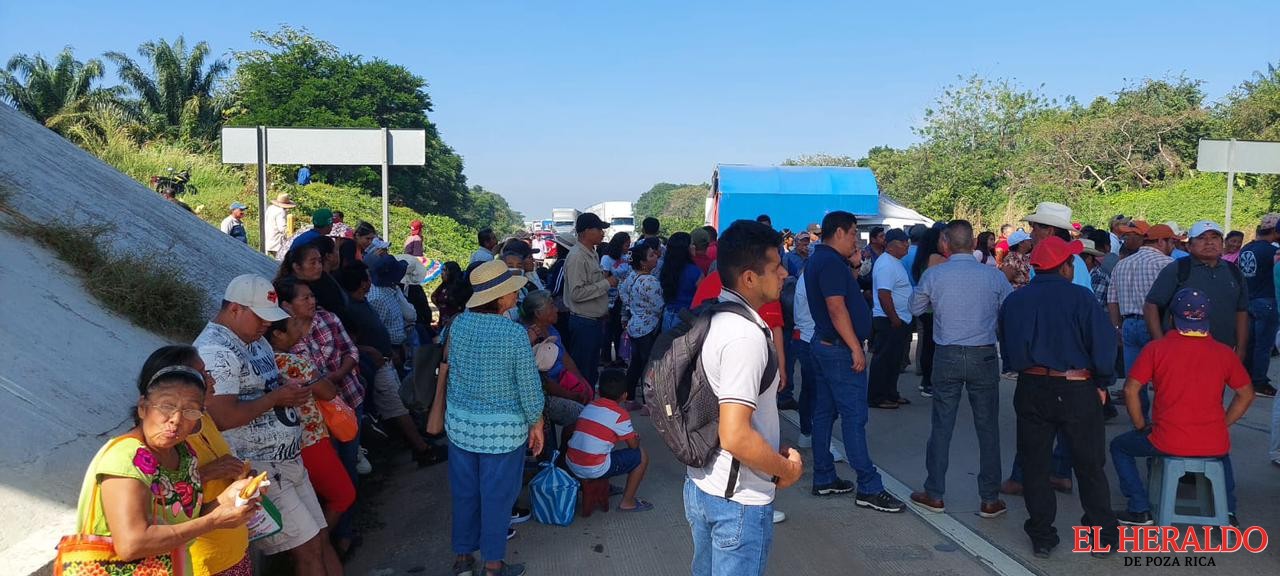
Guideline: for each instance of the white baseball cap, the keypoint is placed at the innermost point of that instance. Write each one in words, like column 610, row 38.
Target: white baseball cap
column 1204, row 226
column 258, row 294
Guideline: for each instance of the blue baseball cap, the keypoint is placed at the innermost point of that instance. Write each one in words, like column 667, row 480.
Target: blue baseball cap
column 238, row 206
column 1190, row 312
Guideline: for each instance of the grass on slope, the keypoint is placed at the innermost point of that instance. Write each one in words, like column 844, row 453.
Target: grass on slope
column 148, row 289
column 218, row 185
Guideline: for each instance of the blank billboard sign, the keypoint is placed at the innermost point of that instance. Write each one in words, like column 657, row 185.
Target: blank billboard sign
column 1239, row 156
column 325, row 146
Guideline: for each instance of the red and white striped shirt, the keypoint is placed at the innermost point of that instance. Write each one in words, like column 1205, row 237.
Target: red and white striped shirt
column 602, row 424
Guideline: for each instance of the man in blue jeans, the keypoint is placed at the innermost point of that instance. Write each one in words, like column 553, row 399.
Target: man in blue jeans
column 842, row 320
column 1257, row 262
column 1131, row 280
column 586, row 294
column 1189, row 371
column 729, row 502
column 966, row 296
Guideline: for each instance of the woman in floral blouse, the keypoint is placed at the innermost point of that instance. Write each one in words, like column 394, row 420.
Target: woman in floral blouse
column 328, row 475
column 642, row 295
column 143, row 490
column 1017, row 263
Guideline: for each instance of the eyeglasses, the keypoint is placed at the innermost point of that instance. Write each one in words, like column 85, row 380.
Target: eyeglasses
column 168, row 410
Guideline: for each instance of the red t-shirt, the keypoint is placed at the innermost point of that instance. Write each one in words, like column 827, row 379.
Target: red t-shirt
column 1188, row 374
column 711, row 286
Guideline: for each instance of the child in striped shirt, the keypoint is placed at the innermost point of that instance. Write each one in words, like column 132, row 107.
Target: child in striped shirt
column 602, row 424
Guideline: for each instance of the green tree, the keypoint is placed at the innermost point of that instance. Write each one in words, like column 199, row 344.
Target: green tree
column 821, row 160
column 53, row 93
column 487, row 209
column 1252, row 110
column 175, row 97
column 655, row 200
column 299, row 80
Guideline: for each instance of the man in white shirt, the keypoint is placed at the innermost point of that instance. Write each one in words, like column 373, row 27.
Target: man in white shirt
column 890, row 321
column 735, row 356
column 277, row 221
column 488, row 241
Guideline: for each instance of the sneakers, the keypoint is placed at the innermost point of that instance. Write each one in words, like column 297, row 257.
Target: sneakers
column 992, row 509
column 363, row 467
column 882, row 501
column 805, row 441
column 506, row 570
column 519, row 515
column 1134, row 518
column 779, row 516
column 838, row 487
column 923, row 500
column 926, row 392
column 511, row 533
column 1265, row 390
column 837, row 455
column 464, row 566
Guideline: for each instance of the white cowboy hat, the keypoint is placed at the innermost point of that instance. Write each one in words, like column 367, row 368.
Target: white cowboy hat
column 491, row 281
column 1089, row 248
column 1051, row 214
column 283, row 201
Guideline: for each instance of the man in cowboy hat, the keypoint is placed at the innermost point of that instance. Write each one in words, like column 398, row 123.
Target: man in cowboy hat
column 277, row 220
column 1054, row 219
column 1057, row 338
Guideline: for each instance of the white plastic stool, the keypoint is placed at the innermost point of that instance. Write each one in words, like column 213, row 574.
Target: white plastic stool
column 1207, row 507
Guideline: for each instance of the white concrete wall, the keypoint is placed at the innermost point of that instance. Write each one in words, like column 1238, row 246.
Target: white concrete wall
column 67, row 365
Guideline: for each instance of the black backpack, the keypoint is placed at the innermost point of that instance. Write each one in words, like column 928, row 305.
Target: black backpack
column 684, row 409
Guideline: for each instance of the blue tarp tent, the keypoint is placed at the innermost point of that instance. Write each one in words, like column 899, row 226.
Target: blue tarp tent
column 792, row 196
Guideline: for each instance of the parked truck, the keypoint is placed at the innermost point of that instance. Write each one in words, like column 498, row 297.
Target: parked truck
column 619, row 216
column 564, row 219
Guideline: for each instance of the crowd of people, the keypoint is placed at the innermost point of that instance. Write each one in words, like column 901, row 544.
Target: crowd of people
column 516, row 356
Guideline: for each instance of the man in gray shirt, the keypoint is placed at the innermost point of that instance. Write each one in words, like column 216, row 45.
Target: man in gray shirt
column 586, row 294
column 966, row 296
column 1221, row 281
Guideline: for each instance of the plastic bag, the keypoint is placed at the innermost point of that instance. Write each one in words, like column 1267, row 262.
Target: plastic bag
column 555, row 494
column 339, row 418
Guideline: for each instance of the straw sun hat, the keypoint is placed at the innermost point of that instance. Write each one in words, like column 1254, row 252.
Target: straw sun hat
column 492, row 280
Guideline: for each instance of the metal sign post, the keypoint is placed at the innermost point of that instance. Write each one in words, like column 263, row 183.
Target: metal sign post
column 324, row 146
column 1233, row 156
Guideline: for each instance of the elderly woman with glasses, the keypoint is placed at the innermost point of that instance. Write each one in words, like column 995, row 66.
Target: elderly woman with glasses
column 143, row 491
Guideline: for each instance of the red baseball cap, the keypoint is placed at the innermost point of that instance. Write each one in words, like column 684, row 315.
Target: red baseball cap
column 1053, row 251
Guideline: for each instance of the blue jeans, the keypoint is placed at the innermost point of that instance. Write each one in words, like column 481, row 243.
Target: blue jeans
column 1135, row 336
column 841, row 390
column 484, row 487
column 1262, row 337
column 585, row 338
column 349, row 453
column 955, row 368
column 729, row 539
column 789, row 366
column 1127, row 447
column 802, row 352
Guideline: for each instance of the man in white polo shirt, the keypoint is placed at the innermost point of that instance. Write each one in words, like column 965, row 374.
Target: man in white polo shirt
column 735, row 357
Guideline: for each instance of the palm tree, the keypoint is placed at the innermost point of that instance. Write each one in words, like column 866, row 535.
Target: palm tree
column 177, row 96
column 52, row 92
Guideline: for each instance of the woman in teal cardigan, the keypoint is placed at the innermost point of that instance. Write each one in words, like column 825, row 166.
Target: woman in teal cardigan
column 493, row 410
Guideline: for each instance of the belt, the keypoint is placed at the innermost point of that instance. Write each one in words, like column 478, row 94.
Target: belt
column 832, row 342
column 1074, row 375
column 1133, row 317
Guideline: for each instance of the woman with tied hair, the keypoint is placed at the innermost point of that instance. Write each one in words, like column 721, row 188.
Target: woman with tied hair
column 143, row 489
column 222, row 552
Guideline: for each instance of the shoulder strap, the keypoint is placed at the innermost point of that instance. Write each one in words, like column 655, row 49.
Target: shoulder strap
column 766, row 379
column 91, row 518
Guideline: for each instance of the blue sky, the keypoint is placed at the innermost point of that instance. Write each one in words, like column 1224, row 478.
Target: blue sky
column 568, row 103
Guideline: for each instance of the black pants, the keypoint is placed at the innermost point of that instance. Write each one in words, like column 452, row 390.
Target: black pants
column 640, row 349
column 888, row 345
column 926, row 351
column 1045, row 406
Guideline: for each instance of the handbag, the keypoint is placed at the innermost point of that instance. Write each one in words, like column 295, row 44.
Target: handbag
column 339, row 418
column 435, row 419
column 555, row 494
column 85, row 554
column 545, row 353
column 581, row 389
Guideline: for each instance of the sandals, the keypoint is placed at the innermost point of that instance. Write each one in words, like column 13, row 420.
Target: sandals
column 641, row 506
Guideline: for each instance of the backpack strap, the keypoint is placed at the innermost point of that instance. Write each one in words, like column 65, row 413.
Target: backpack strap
column 766, row 378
